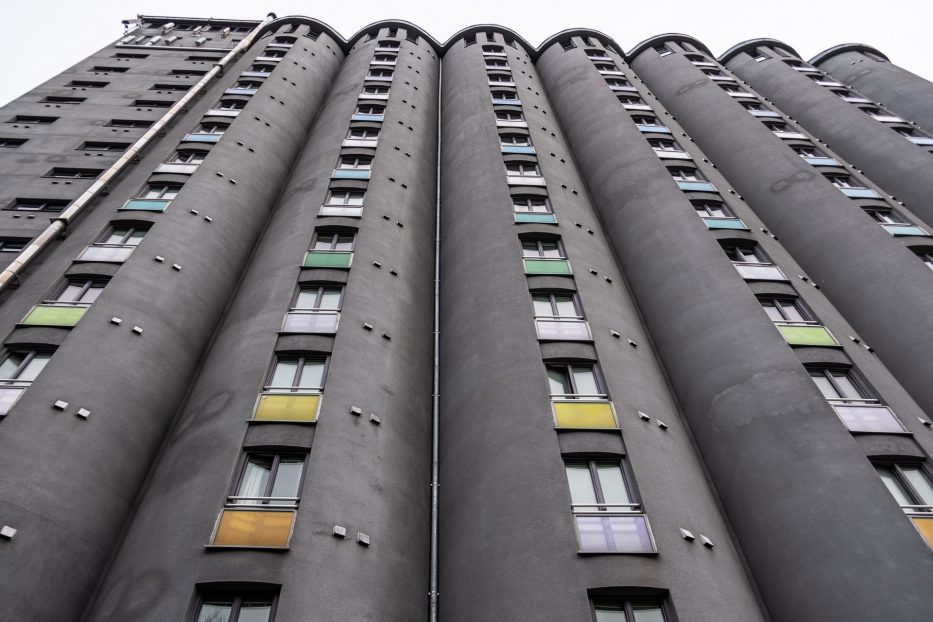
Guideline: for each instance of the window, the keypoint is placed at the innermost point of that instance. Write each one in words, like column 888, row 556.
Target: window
column 690, row 179
column 115, row 246
column 496, row 63
column 505, row 96
column 128, row 123
column 324, row 240
column 169, row 87
column 618, row 83
column 236, row 608
column 292, row 374
column 776, row 126
column 188, row 157
column 109, row 69
column 345, row 197
column 531, row 203
column 38, row 205
column 522, row 169
column 631, row 100
column 751, row 262
column 664, row 144
column 493, row 49
column 256, row 68
column 32, row 119
column 496, row 77
column 853, row 400
column 663, row 50
column 559, row 317
column 74, row 173
column 469, row 40
column 18, row 369
column 87, row 84
column 103, row 146
column 284, row 40
column 153, row 103
column 630, row 610
column 130, row 55
column 606, row 66
column 51, row 99
column 330, row 248
column 574, row 381
column 315, row 310
column 12, row 143
column 384, row 58
column 515, row 140
column 784, row 310
column 363, row 133
column 389, row 45
column 909, row 483
column 355, row 162
column 380, row 72
column 925, row 254
column 375, row 89
column 544, row 256
column 161, row 191
column 893, row 221
column 269, row 479
column 509, row 115
column 410, row 36
column 646, row 121
column 78, row 291
column 716, row 215
column 370, row 109
column 607, row 515
column 210, row 128
column 13, row 245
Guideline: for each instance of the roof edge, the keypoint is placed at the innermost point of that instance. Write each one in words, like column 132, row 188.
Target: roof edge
column 670, row 36
column 744, row 46
column 846, row 47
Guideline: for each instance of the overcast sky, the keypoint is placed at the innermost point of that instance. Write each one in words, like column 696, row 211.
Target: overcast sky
column 45, row 37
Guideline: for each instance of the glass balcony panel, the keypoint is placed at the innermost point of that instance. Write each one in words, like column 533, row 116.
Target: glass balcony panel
column 547, row 266
column 495, row 84
column 354, row 211
column 351, row 173
column 563, row 330
column 664, row 154
column 183, row 169
column 781, row 134
column 754, row 272
column 655, row 129
column 821, row 161
column 887, row 118
column 54, row 315
column 503, row 123
column 108, row 254
column 311, row 322
column 236, row 91
column 713, row 222
column 829, row 83
column 696, row 186
column 201, row 138
column 254, row 528
column 8, row 397
column 506, row 102
column 764, row 113
column 328, row 259
column 540, row 218
column 298, row 407
column 856, row 100
column 361, row 142
column 868, row 418
column 254, row 74
column 614, row 534
column 896, row 230
column 379, row 78
column 146, row 205
column 590, row 414
column 222, row 112
column 636, row 106
column 517, row 149
column 860, row 193
column 798, row 335
column 525, row 180
column 367, row 117
column 920, row 140
column 924, row 525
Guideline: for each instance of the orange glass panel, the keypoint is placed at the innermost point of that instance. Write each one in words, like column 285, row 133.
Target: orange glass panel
column 924, row 525
column 254, row 528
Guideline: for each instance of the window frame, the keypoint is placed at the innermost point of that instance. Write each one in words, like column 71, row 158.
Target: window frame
column 303, row 358
column 235, row 500
column 335, row 235
column 237, row 600
column 568, row 368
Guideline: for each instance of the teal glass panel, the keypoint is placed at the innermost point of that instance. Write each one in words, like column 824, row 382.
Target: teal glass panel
column 321, row 259
column 697, row 186
column 351, row 173
column 544, row 266
column 517, row 149
column 904, row 230
column 146, row 205
column 724, row 223
column 860, row 193
column 366, row 117
column 201, row 138
column 529, row 217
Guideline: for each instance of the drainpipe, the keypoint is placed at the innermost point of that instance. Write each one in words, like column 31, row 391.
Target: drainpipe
column 61, row 222
column 435, row 399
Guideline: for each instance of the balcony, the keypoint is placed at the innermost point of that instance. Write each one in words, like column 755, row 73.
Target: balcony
column 328, row 259
column 107, row 253
column 759, row 272
column 806, row 334
column 899, row 229
column 653, row 129
column 251, row 528
column 867, row 415
column 586, row 412
column 859, row 193
column 547, row 266
column 695, row 186
column 351, row 211
column 820, row 161
column 527, row 149
column 351, row 173
column 543, row 218
column 289, row 407
column 612, row 528
column 240, row 91
column 368, row 117
column 10, row 392
column 201, row 138
column 496, row 101
column 525, row 180
column 723, row 222
column 562, row 329
column 311, row 321
column 181, row 169
column 146, row 205
column 50, row 314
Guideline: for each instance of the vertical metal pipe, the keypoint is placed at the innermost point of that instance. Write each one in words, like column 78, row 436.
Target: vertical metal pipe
column 435, row 400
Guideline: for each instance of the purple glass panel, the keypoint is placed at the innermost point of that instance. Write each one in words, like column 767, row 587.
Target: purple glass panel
column 864, row 418
column 320, row 323
column 614, row 534
column 563, row 330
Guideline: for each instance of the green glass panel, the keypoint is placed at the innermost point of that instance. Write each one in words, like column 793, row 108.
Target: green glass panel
column 49, row 315
column 528, row 217
column 807, row 335
column 542, row 266
column 317, row 259
column 147, row 205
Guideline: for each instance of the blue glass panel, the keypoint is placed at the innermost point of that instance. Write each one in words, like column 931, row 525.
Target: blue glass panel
column 528, row 217
column 654, row 128
column 724, row 223
column 147, row 205
column 860, row 193
column 240, row 91
column 507, row 102
column 699, row 186
column 821, row 161
column 366, row 117
column 515, row 149
column 904, row 230
column 351, row 173
column 202, row 138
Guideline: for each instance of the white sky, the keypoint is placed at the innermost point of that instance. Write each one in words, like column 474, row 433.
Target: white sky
column 40, row 38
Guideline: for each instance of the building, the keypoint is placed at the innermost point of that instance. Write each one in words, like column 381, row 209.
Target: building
column 307, row 328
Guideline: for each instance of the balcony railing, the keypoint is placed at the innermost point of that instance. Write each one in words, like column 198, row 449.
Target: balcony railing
column 361, row 142
column 55, row 314
column 612, row 528
column 181, row 169
column 253, row 528
column 368, row 117
column 240, row 91
column 764, row 113
column 670, row 154
column 653, row 129
column 525, row 180
column 867, row 415
column 328, row 259
column 546, row 265
column 594, row 412
column 786, row 134
column 223, row 112
column 518, row 149
column 505, row 123
column 806, row 334
column 497, row 101
column 201, row 138
column 255, row 74
column 108, row 253
column 887, row 118
column 311, row 321
column 300, row 406
column 920, row 140
column 551, row 328
column 820, row 161
column 759, row 271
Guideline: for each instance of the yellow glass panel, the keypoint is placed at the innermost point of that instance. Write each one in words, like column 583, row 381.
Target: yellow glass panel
column 925, row 526
column 581, row 414
column 254, row 528
column 287, row 408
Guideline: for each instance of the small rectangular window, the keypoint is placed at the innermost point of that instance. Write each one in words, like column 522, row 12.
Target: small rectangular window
column 153, row 103
column 38, row 205
column 18, row 370
column 128, row 123
column 52, row 99
column 74, row 173
column 103, row 69
column 567, row 44
column 102, row 146
column 28, row 119
column 232, row 607
column 630, row 610
column 13, row 245
column 87, row 84
column 12, row 143
column 115, row 246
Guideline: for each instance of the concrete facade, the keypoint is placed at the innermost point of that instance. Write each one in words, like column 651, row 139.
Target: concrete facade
column 642, row 285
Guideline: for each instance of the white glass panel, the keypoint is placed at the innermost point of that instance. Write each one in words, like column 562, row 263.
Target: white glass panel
column 648, row 613
column 921, row 484
column 36, row 365
column 772, row 311
column 314, row 323
column 70, row 293
column 288, row 477
column 92, row 293
column 215, row 612
column 558, row 381
column 605, row 614
column 585, row 381
column 846, row 385
column 825, row 386
column 312, row 375
column 330, row 299
column 542, row 304
column 565, row 306
column 307, row 297
column 10, row 364
column 254, row 612
column 612, row 483
column 284, row 373
column 581, row 484
column 792, row 312
column 894, row 486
